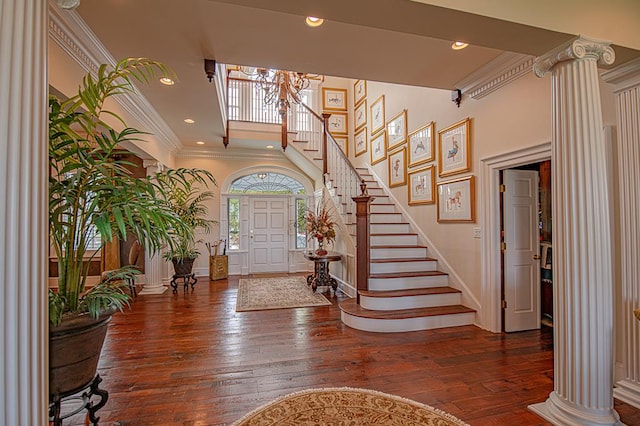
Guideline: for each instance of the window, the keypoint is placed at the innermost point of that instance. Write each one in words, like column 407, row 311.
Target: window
column 233, row 216
column 301, row 229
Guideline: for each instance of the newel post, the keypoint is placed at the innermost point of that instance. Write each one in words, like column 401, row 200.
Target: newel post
column 325, row 131
column 362, row 241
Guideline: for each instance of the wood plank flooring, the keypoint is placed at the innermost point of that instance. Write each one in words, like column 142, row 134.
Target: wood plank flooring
column 190, row 359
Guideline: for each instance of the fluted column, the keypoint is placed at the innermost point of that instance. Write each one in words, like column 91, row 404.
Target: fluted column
column 627, row 93
column 583, row 310
column 153, row 264
column 23, row 213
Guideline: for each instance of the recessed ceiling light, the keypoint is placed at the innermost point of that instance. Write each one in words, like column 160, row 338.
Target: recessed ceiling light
column 199, row 143
column 167, row 81
column 459, row 45
column 189, row 121
column 312, row 21
column 269, row 146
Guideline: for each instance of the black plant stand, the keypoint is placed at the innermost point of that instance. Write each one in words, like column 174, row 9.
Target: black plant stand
column 83, row 400
column 187, row 279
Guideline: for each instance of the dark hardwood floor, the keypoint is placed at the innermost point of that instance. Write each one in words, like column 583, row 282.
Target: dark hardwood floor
column 190, row 359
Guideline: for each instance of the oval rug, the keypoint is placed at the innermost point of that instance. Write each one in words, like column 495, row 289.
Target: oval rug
column 346, row 406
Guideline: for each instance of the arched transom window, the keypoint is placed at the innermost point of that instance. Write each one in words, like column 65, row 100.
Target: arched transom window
column 266, row 183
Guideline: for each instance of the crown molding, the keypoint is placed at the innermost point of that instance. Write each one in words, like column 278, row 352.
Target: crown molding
column 229, row 153
column 501, row 71
column 72, row 34
column 624, row 76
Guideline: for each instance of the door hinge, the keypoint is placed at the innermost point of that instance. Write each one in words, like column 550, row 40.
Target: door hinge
column 504, row 304
column 503, row 246
column 503, row 188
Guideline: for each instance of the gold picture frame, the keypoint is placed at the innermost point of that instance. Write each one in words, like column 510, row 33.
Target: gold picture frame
column 422, row 145
column 360, row 142
column 378, row 147
column 359, row 91
column 456, row 200
column 360, row 116
column 343, row 143
column 334, row 99
column 377, row 115
column 397, row 130
column 398, row 167
column 338, row 123
column 421, row 186
column 454, row 142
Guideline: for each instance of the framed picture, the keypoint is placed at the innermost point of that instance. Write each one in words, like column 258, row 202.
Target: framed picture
column 334, row 99
column 377, row 115
column 422, row 186
column 397, row 130
column 361, row 142
column 398, row 167
column 456, row 200
column 337, row 123
column 360, row 115
column 454, row 153
column 422, row 145
column 378, row 147
column 359, row 91
column 343, row 143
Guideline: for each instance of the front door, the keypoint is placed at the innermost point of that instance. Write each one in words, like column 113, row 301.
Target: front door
column 268, row 235
column 522, row 248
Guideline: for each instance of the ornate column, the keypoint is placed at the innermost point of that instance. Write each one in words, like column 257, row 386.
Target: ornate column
column 23, row 213
column 583, row 309
column 153, row 264
column 627, row 91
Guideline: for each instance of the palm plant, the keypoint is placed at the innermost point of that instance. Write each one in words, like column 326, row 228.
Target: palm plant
column 92, row 192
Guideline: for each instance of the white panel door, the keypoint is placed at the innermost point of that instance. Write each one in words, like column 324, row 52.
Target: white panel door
column 521, row 257
column 268, row 235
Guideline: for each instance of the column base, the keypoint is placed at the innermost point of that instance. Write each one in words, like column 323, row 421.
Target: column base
column 627, row 391
column 152, row 289
column 557, row 411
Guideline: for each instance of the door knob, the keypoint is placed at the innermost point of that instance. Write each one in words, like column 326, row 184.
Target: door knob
column 536, row 257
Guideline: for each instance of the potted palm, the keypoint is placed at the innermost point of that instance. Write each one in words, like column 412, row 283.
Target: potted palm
column 93, row 196
column 186, row 199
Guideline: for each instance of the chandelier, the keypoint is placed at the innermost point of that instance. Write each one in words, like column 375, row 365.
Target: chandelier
column 280, row 87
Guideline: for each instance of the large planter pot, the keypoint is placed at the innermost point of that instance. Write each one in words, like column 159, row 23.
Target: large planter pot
column 183, row 267
column 74, row 351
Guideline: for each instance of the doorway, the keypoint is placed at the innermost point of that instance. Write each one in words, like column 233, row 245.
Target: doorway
column 268, row 235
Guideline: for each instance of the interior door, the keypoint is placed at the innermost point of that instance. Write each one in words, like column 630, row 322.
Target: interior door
column 268, row 235
column 522, row 251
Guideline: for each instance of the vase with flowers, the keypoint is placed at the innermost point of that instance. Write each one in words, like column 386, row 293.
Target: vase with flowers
column 320, row 226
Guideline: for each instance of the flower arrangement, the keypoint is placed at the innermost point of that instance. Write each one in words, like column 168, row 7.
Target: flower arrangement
column 320, row 225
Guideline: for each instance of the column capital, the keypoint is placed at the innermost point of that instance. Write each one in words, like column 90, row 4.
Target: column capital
column 152, row 166
column 579, row 48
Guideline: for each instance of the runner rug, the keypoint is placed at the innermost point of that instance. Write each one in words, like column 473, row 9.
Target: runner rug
column 257, row 294
column 346, row 406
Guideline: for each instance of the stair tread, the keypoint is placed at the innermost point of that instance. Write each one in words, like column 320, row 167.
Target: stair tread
column 388, row 223
column 402, row 246
column 351, row 307
column 377, row 234
column 407, row 274
column 310, row 150
column 404, row 259
column 409, row 292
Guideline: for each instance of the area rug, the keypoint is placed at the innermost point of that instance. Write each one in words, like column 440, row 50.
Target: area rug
column 257, row 294
column 346, row 406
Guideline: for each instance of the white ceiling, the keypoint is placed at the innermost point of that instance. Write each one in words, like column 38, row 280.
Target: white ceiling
column 398, row 41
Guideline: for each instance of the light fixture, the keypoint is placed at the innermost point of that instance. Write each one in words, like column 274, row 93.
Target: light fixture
column 459, row 45
column 68, row 4
column 199, row 143
column 269, row 146
column 279, row 87
column 167, row 81
column 313, row 22
column 189, row 121
column 210, row 69
column 261, row 175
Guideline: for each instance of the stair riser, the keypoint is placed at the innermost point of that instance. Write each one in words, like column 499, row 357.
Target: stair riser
column 413, row 266
column 393, row 240
column 398, row 252
column 409, row 324
column 385, row 218
column 380, row 199
column 389, row 228
column 381, row 208
column 409, row 302
column 375, row 191
column 405, row 283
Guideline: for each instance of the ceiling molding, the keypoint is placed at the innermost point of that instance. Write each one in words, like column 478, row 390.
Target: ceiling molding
column 624, row 76
column 229, row 153
column 72, row 34
column 496, row 74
